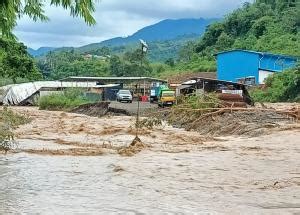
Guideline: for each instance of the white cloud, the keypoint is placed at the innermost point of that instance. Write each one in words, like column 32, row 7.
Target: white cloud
column 114, row 18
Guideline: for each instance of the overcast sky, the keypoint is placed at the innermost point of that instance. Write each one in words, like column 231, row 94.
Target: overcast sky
column 115, row 18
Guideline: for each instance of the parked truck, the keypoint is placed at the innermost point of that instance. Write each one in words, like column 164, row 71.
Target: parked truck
column 154, row 94
column 166, row 96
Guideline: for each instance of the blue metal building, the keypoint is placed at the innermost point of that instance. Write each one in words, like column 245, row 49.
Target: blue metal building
column 241, row 65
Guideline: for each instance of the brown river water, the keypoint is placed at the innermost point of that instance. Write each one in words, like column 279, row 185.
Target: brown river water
column 181, row 173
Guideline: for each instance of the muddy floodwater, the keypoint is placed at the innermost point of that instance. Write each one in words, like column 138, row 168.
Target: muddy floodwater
column 179, row 172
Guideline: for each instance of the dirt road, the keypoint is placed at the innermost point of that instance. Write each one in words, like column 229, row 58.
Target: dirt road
column 176, row 172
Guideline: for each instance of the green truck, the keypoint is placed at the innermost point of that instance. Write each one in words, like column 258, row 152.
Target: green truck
column 166, row 96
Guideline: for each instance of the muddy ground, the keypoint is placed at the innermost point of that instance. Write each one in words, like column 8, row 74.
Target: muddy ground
column 132, row 107
column 172, row 170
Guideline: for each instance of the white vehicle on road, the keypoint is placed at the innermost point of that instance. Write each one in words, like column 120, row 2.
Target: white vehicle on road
column 124, row 95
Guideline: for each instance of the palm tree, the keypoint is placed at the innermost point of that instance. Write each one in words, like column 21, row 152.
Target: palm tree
column 11, row 10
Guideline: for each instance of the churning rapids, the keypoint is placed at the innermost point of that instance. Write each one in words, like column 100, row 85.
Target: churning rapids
column 180, row 171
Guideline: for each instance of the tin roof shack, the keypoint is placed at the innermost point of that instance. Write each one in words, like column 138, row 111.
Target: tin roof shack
column 176, row 79
column 229, row 91
column 251, row 67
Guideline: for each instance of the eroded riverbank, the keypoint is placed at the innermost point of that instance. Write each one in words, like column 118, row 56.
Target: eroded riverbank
column 179, row 171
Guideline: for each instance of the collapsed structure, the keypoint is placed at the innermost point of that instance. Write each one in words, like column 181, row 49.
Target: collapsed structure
column 27, row 93
column 236, row 92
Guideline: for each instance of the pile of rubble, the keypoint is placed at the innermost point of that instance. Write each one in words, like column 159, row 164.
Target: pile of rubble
column 232, row 121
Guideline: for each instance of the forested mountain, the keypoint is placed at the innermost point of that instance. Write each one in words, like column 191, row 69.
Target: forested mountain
column 39, row 51
column 165, row 30
column 166, row 36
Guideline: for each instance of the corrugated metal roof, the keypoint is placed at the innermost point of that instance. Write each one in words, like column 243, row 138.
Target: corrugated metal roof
column 217, row 80
column 76, row 78
column 17, row 93
column 260, row 53
column 184, row 76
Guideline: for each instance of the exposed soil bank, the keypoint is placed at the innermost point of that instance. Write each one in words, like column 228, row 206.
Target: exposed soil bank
column 100, row 109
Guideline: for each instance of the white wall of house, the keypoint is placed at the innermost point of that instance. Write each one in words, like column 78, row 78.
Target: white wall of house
column 263, row 75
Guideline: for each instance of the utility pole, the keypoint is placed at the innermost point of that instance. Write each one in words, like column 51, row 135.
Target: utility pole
column 144, row 49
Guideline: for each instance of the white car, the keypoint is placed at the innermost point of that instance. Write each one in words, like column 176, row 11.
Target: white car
column 124, row 95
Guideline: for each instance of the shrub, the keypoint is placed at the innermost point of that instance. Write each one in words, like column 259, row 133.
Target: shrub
column 6, row 138
column 67, row 100
column 280, row 87
column 12, row 119
column 199, row 101
column 8, row 122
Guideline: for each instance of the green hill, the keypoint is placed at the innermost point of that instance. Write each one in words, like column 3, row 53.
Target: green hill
column 159, row 51
column 165, row 30
column 271, row 26
column 267, row 26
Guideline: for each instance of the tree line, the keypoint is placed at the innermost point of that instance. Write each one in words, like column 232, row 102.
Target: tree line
column 15, row 62
column 271, row 26
column 57, row 65
column 263, row 26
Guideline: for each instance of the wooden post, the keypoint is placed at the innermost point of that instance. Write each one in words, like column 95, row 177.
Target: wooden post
column 144, row 87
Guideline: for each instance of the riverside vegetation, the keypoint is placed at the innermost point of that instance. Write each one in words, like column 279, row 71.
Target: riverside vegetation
column 280, row 87
column 9, row 121
column 66, row 100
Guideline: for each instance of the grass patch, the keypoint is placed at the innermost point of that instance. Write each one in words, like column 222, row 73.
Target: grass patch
column 13, row 120
column 67, row 100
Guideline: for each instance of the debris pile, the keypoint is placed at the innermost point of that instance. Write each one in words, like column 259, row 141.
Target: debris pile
column 135, row 147
column 231, row 121
column 231, row 100
column 209, row 115
column 149, row 123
